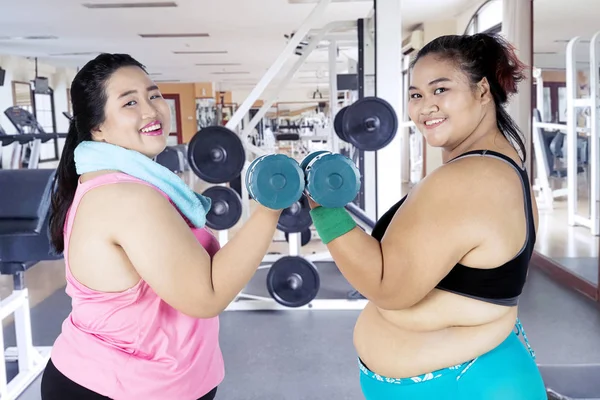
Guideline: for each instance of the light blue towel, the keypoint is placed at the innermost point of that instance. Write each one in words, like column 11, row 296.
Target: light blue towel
column 93, row 156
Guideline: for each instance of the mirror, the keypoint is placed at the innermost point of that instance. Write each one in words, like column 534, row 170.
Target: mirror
column 303, row 117
column 564, row 164
column 22, row 95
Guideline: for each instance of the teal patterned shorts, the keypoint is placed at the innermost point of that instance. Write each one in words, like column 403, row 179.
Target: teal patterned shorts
column 507, row 372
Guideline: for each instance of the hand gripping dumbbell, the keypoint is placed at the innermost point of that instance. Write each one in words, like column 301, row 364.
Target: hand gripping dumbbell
column 275, row 180
column 331, row 180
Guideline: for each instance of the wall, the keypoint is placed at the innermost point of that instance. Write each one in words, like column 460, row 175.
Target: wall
column 187, row 104
column 204, row 90
column 554, row 76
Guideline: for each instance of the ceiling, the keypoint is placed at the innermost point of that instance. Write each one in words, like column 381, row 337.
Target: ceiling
column 242, row 37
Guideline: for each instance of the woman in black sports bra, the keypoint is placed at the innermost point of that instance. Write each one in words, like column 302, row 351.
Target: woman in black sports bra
column 443, row 268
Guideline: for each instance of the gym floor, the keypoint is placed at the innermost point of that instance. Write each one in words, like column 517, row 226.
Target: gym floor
column 309, row 354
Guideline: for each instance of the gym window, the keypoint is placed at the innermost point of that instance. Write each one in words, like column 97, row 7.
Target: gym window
column 487, row 18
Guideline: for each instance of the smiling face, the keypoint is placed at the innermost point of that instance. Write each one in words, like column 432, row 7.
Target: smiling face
column 137, row 117
column 446, row 108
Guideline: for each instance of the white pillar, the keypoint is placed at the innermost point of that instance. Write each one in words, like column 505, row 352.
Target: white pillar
column 517, row 20
column 388, row 41
column 369, row 157
column 334, row 140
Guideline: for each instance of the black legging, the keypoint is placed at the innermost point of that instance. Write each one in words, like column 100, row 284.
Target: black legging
column 56, row 386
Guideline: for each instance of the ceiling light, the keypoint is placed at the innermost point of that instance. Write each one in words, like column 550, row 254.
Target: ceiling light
column 82, row 53
column 218, row 64
column 230, row 73
column 201, row 52
column 148, row 4
column 316, row 1
column 33, row 37
column 172, row 35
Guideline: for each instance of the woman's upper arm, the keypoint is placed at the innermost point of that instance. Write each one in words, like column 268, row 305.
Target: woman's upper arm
column 161, row 247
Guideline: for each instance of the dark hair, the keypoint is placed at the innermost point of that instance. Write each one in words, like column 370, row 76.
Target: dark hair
column 485, row 56
column 88, row 98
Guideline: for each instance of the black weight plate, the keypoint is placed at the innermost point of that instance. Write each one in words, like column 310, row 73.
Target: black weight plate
column 370, row 124
column 293, row 281
column 216, row 154
column 338, row 125
column 226, row 208
column 305, row 237
column 295, row 218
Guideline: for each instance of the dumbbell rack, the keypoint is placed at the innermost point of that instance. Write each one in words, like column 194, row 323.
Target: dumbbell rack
column 314, row 36
column 249, row 302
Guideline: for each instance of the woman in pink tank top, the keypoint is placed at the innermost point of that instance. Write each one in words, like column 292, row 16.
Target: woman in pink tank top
column 146, row 286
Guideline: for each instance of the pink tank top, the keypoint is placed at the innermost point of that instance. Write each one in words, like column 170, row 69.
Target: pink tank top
column 132, row 345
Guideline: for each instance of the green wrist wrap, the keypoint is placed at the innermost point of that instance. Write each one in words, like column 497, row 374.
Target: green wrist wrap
column 331, row 223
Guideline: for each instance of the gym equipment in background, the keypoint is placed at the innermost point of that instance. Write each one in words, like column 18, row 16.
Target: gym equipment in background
column 296, row 218
column 368, row 124
column 226, row 207
column 216, row 154
column 305, row 236
column 376, row 126
column 24, row 216
column 577, row 140
column 29, row 138
column 293, row 281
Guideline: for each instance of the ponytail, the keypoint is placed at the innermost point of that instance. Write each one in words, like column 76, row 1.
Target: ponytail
column 486, row 56
column 65, row 185
column 504, row 72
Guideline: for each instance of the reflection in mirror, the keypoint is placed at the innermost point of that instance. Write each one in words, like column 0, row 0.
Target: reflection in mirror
column 298, row 127
column 565, row 162
column 304, row 117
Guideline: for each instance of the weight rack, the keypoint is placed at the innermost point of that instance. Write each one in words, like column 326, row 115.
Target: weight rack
column 249, row 302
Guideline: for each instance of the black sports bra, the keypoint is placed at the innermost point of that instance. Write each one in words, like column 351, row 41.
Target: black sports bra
column 501, row 285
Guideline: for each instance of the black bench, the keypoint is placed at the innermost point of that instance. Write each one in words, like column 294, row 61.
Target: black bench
column 24, row 215
column 24, row 241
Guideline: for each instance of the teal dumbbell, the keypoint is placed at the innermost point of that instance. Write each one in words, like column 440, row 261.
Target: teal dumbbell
column 332, row 180
column 276, row 181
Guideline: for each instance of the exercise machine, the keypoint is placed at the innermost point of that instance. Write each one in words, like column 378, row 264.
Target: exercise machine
column 22, row 140
column 581, row 142
column 550, row 141
column 29, row 138
column 24, row 242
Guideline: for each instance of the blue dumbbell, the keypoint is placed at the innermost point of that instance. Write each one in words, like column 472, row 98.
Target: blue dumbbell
column 306, row 160
column 275, row 181
column 332, row 180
